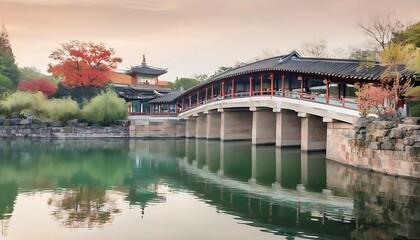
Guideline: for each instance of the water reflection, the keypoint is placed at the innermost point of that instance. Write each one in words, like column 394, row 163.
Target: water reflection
column 281, row 191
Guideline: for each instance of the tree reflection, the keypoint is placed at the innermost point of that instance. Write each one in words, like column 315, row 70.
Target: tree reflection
column 84, row 207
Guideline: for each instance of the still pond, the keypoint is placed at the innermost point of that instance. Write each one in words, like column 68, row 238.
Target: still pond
column 194, row 189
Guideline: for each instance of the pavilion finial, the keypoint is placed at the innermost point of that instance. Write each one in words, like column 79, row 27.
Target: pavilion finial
column 144, row 60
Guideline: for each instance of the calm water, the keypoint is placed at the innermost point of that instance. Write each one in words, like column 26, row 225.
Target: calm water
column 194, row 189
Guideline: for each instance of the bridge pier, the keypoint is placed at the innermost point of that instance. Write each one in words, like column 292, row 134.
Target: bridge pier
column 213, row 125
column 200, row 126
column 180, row 128
column 190, row 127
column 288, row 129
column 313, row 132
column 235, row 125
column 263, row 127
column 338, row 137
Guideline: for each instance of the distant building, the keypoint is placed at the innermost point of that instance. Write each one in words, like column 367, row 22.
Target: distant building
column 141, row 84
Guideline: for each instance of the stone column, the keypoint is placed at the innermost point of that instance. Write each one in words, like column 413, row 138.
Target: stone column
column 213, row 125
column 313, row 132
column 288, row 128
column 180, row 128
column 236, row 125
column 263, row 127
column 190, row 128
column 200, row 126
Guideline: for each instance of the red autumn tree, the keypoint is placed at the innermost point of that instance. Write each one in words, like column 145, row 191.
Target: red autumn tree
column 82, row 64
column 39, row 84
column 372, row 99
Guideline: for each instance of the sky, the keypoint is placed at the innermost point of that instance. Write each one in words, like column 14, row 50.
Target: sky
column 190, row 36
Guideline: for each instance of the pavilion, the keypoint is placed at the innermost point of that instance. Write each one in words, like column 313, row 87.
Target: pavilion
column 144, row 85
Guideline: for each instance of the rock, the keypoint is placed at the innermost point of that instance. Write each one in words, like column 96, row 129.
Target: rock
column 361, row 137
column 396, row 133
column 384, row 124
column 412, row 120
column 399, row 145
column 409, row 141
column 55, row 124
column 411, row 151
column 387, row 146
column 375, row 145
column 14, row 121
column 25, row 122
column 72, row 123
column 35, row 125
column 361, row 123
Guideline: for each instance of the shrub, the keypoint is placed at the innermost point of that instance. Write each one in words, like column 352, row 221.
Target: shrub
column 23, row 103
column 61, row 109
column 43, row 85
column 105, row 109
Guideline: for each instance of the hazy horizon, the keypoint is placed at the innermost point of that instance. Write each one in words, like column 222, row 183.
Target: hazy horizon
column 189, row 37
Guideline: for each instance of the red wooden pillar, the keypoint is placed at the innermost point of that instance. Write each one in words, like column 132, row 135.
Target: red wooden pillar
column 222, row 89
column 261, row 84
column 233, row 88
column 207, row 97
column 272, row 83
column 283, row 87
column 190, row 101
column 327, row 92
column 212, row 91
column 182, row 105
column 301, row 87
column 198, row 97
column 250, row 86
column 176, row 107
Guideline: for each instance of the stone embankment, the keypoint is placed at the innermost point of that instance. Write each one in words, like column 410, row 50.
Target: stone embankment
column 33, row 128
column 381, row 146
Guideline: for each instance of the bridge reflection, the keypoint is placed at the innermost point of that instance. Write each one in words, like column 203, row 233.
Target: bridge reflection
column 284, row 191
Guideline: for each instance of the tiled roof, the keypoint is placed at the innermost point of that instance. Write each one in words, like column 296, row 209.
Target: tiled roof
column 145, row 69
column 167, row 98
column 129, row 93
column 294, row 63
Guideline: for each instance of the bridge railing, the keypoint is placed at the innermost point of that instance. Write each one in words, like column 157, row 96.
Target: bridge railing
column 348, row 103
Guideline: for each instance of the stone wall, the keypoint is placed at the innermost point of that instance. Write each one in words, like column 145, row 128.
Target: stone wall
column 380, row 146
column 156, row 128
column 33, row 128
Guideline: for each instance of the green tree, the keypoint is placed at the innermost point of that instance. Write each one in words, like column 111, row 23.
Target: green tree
column 29, row 73
column 5, row 84
column 410, row 35
column 185, row 83
column 8, row 66
column 79, row 94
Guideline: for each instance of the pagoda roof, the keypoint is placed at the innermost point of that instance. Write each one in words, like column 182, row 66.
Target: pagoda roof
column 139, row 92
column 146, row 69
